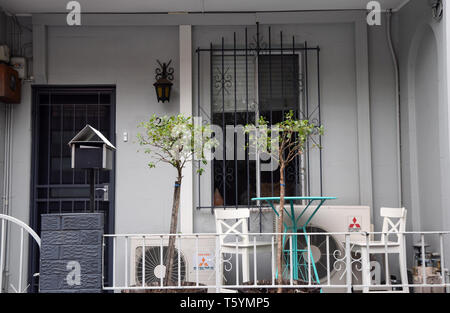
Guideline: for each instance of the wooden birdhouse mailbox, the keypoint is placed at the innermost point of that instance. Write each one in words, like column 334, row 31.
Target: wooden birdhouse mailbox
column 90, row 149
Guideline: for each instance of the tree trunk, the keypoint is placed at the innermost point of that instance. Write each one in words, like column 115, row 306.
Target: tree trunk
column 280, row 230
column 173, row 230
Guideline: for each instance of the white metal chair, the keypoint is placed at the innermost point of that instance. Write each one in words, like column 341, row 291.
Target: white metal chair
column 230, row 231
column 385, row 246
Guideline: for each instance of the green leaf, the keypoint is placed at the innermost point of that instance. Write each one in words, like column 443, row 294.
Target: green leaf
column 175, row 139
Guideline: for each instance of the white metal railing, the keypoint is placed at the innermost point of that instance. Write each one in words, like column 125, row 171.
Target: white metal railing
column 342, row 266
column 4, row 232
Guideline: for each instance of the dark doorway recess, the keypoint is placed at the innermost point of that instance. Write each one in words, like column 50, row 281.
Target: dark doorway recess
column 59, row 113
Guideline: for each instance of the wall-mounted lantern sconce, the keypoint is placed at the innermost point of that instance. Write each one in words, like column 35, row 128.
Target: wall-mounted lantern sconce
column 437, row 9
column 163, row 85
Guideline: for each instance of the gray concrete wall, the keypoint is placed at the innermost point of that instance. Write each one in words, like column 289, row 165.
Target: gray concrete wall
column 2, row 150
column 2, row 109
column 92, row 55
column 339, row 110
column 21, row 164
column 102, row 55
column 21, row 174
column 383, row 122
column 125, row 57
column 424, row 118
column 77, row 54
column 2, row 117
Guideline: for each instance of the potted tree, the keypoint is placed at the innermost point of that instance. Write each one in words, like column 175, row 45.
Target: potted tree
column 175, row 140
column 283, row 141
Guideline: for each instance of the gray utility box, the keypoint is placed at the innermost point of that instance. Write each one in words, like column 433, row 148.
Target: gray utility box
column 91, row 150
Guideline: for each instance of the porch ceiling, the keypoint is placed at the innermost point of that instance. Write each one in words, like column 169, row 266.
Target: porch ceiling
column 141, row 6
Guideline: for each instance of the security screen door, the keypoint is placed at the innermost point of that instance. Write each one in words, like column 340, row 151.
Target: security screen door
column 59, row 113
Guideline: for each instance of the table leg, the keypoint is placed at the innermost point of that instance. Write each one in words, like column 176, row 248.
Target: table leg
column 294, row 243
column 294, row 257
column 298, row 263
column 306, row 239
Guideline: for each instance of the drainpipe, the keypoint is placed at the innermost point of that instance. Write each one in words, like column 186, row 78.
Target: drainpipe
column 397, row 105
column 5, row 162
column 5, row 188
column 7, row 169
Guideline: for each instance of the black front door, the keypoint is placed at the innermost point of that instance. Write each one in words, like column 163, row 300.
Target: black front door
column 59, row 113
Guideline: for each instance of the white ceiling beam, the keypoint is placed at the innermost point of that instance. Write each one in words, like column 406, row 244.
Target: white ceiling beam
column 160, row 6
column 401, row 5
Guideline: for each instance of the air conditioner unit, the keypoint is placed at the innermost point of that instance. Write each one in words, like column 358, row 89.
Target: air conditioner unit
column 334, row 219
column 197, row 260
column 337, row 218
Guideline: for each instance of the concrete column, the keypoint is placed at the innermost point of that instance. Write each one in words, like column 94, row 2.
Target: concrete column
column 71, row 253
column 187, row 186
column 446, row 165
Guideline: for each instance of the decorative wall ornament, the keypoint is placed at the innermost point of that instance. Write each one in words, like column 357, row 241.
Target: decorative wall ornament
column 223, row 81
column 163, row 84
column 258, row 43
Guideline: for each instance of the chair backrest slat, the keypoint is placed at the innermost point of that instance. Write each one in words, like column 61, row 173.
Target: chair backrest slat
column 232, row 223
column 393, row 212
column 394, row 222
column 225, row 214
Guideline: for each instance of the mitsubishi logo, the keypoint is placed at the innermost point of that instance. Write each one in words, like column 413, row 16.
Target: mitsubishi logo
column 354, row 224
column 203, row 262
